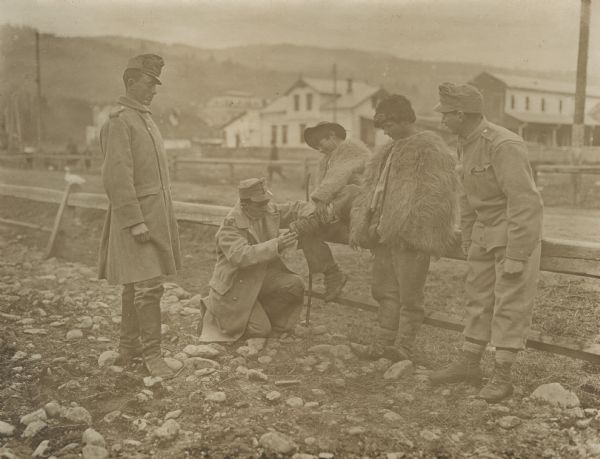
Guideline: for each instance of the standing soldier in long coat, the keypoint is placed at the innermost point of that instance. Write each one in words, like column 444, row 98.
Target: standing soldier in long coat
column 140, row 240
column 501, row 223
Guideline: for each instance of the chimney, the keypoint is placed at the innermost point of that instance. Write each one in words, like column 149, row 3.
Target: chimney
column 349, row 87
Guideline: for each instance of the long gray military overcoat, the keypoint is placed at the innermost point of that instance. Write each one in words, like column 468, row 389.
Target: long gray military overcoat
column 136, row 179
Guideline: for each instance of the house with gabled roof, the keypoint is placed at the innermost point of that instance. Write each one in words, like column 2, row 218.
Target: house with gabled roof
column 539, row 110
column 307, row 102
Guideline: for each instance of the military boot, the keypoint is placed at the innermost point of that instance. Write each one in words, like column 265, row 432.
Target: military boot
column 335, row 280
column 130, row 346
column 305, row 226
column 148, row 310
column 499, row 386
column 380, row 345
column 465, row 368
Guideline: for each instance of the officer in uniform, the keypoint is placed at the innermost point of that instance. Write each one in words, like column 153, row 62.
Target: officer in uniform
column 140, row 240
column 253, row 292
column 501, row 223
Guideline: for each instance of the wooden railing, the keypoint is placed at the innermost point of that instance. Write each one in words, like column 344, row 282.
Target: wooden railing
column 575, row 171
column 559, row 256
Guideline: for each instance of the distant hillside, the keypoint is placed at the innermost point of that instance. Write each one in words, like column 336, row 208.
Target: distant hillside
column 89, row 70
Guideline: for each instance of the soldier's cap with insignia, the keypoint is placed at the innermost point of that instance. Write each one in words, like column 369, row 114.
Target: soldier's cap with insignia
column 459, row 98
column 254, row 189
column 149, row 64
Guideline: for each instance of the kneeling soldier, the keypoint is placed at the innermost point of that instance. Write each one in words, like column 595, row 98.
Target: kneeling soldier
column 252, row 291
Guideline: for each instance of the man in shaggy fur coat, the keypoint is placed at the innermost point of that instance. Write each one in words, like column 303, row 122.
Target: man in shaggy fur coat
column 340, row 170
column 405, row 214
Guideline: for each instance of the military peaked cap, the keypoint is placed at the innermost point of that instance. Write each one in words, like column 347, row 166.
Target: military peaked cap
column 459, row 97
column 254, row 189
column 149, row 64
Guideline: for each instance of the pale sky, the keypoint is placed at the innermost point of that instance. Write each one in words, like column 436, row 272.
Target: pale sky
column 529, row 34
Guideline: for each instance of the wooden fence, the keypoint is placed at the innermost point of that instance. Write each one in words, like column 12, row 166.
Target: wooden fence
column 559, row 256
column 575, row 171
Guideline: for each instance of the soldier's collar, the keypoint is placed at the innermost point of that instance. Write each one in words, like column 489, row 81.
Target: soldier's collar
column 129, row 102
column 476, row 132
column 241, row 219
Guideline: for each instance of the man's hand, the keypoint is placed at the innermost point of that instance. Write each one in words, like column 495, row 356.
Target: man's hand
column 513, row 268
column 321, row 210
column 140, row 232
column 286, row 240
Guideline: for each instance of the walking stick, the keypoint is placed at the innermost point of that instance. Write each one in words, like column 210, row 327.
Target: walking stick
column 310, row 279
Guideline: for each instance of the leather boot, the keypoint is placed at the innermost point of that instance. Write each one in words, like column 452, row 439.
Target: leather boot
column 335, row 280
column 465, row 368
column 305, row 226
column 130, row 346
column 147, row 303
column 379, row 347
column 499, row 386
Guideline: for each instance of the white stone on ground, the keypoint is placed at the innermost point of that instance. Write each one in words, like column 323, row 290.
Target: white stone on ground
column 273, row 396
column 94, row 452
column 555, row 394
column 275, row 442
column 509, row 422
column 399, row 370
column 201, row 350
column 74, row 334
column 173, row 414
column 41, row 449
column 168, row 431
column 92, row 437
column 295, row 402
column 6, row 429
column 217, row 397
column 37, row 415
column 33, row 429
column 107, row 358
column 78, row 415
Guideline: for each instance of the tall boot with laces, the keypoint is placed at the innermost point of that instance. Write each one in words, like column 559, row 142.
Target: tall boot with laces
column 465, row 368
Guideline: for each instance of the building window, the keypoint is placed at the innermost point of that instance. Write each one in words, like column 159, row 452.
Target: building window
column 273, row 134
column 543, row 104
column 309, row 98
column 527, row 103
column 512, row 101
column 560, row 106
column 284, row 134
column 302, row 129
column 296, row 102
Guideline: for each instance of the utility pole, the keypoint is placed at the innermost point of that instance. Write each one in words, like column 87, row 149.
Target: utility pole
column 578, row 130
column 334, row 93
column 38, row 80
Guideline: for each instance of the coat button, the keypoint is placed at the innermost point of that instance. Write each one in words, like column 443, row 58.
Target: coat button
column 241, row 281
column 234, row 298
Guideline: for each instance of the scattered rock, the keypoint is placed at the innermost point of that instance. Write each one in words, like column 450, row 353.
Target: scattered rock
column 509, row 422
column 91, row 437
column 19, row 355
column 295, row 402
column 265, row 359
column 151, row 381
column 33, row 429
column 196, row 363
column 173, row 414
column 173, row 364
column 78, row 415
column 256, row 375
column 6, row 429
column 555, row 394
column 94, row 452
column 428, row 435
column 201, row 350
column 41, row 449
column 304, row 456
column 74, row 334
column 399, row 370
column 273, row 396
column 390, row 416
column 37, row 415
column 107, row 358
column 217, row 397
column 53, row 409
column 168, row 431
column 357, row 430
column 35, row 331
column 110, row 417
column 275, row 442
column 85, row 322
column 257, row 344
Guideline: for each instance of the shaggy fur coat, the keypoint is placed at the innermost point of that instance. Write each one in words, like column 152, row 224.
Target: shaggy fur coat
column 420, row 204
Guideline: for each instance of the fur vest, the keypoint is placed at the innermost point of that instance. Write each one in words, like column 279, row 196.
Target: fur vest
column 420, row 204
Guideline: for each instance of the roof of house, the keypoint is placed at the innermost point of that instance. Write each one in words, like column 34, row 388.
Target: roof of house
column 324, row 86
column 541, row 84
column 549, row 118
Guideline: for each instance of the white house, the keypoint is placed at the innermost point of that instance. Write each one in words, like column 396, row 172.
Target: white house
column 539, row 110
column 307, row 102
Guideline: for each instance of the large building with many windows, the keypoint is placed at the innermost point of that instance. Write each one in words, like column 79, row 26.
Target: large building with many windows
column 307, row 102
column 539, row 110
